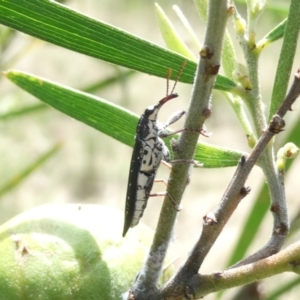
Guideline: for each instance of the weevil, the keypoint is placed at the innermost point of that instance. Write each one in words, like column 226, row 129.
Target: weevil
column 148, row 151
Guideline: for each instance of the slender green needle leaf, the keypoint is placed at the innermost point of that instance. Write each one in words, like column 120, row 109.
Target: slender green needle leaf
column 293, row 137
column 285, row 288
column 201, row 6
column 6, row 36
column 187, row 26
column 262, row 203
column 106, row 117
column 100, row 114
column 229, row 60
column 251, row 225
column 17, row 179
column 170, row 36
column 224, row 84
column 286, row 58
column 23, row 111
column 277, row 32
column 274, row 35
column 260, row 208
column 295, row 224
column 215, row 156
column 273, row 7
column 57, row 24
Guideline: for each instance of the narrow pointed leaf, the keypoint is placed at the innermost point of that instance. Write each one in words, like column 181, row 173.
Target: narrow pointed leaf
column 262, row 203
column 170, row 36
column 106, row 117
column 23, row 174
column 22, row 111
column 285, row 288
column 60, row 25
column 274, row 35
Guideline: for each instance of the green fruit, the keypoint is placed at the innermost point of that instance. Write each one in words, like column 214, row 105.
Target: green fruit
column 69, row 252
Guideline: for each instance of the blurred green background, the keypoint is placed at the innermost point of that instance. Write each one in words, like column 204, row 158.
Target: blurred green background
column 91, row 167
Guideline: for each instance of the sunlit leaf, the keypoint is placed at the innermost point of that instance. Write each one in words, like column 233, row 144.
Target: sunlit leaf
column 108, row 118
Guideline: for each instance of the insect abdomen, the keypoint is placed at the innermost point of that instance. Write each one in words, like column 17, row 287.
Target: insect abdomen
column 145, row 160
column 132, row 187
column 144, row 188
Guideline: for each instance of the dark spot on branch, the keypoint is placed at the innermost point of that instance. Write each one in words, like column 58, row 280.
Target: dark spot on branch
column 294, row 263
column 174, row 145
column 206, row 113
column 212, row 69
column 282, row 229
column 189, row 294
column 206, row 52
column 24, row 250
column 230, row 10
column 243, row 159
column 277, row 124
column 188, row 180
column 210, row 219
column 245, row 190
column 131, row 295
column 218, row 275
column 275, row 208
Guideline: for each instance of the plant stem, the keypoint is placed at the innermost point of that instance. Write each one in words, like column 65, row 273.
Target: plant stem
column 285, row 261
column 280, row 229
column 215, row 222
column 199, row 110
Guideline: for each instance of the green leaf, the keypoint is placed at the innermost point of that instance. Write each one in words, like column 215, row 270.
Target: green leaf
column 262, row 203
column 170, row 36
column 260, row 208
column 22, row 111
column 286, row 59
column 280, row 290
column 250, row 228
column 274, row 35
column 106, row 117
column 215, row 156
column 57, row 24
column 23, row 174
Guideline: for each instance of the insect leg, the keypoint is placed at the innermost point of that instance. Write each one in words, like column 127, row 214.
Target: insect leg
column 166, row 194
column 202, row 131
column 168, row 162
column 186, row 161
column 169, row 196
column 168, row 165
column 173, row 118
column 162, row 180
column 163, row 133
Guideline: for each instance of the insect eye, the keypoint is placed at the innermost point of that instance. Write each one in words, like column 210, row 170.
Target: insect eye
column 149, row 110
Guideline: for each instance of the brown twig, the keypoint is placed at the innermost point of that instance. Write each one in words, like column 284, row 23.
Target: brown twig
column 287, row 260
column 278, row 205
column 214, row 223
column 199, row 110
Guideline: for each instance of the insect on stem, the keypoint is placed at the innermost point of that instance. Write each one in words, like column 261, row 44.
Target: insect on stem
column 149, row 150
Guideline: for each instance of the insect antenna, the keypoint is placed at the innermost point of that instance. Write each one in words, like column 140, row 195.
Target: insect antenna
column 177, row 77
column 169, row 73
column 172, row 95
